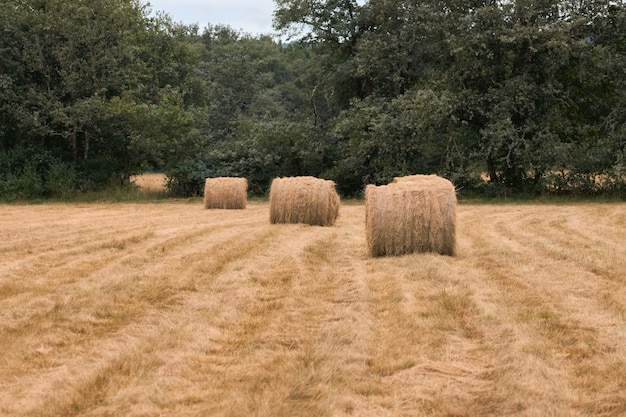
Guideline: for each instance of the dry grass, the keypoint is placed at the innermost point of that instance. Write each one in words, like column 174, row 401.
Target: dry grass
column 160, row 310
column 151, row 182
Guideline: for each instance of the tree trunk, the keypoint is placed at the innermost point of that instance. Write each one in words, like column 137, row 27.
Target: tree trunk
column 86, row 150
column 74, row 148
column 491, row 169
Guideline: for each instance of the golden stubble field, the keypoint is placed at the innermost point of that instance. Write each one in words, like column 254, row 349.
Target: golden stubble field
column 167, row 309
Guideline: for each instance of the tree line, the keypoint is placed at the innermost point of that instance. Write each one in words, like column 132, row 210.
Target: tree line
column 501, row 97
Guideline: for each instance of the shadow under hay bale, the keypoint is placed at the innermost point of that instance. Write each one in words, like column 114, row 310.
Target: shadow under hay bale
column 226, row 193
column 412, row 214
column 307, row 200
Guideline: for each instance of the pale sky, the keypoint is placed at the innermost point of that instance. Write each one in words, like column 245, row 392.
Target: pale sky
column 250, row 16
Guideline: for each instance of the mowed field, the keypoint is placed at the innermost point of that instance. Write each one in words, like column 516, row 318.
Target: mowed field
column 168, row 309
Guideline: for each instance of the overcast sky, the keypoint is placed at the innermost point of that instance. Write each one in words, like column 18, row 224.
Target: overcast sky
column 251, row 16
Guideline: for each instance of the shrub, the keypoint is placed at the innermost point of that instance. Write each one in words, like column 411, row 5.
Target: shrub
column 61, row 181
column 187, row 178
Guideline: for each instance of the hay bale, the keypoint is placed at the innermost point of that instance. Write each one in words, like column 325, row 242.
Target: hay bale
column 306, row 200
column 432, row 180
column 412, row 214
column 225, row 193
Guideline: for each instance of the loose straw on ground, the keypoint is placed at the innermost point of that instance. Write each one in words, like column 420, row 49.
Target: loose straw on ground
column 225, row 193
column 306, row 200
column 413, row 214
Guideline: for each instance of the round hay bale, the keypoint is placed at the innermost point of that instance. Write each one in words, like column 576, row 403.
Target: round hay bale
column 307, row 200
column 426, row 180
column 225, row 193
column 412, row 214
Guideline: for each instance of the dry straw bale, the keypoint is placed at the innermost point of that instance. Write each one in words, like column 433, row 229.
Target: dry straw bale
column 225, row 193
column 412, row 214
column 306, row 200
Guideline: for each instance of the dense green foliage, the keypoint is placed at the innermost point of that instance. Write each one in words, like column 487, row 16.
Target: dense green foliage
column 529, row 95
column 500, row 97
